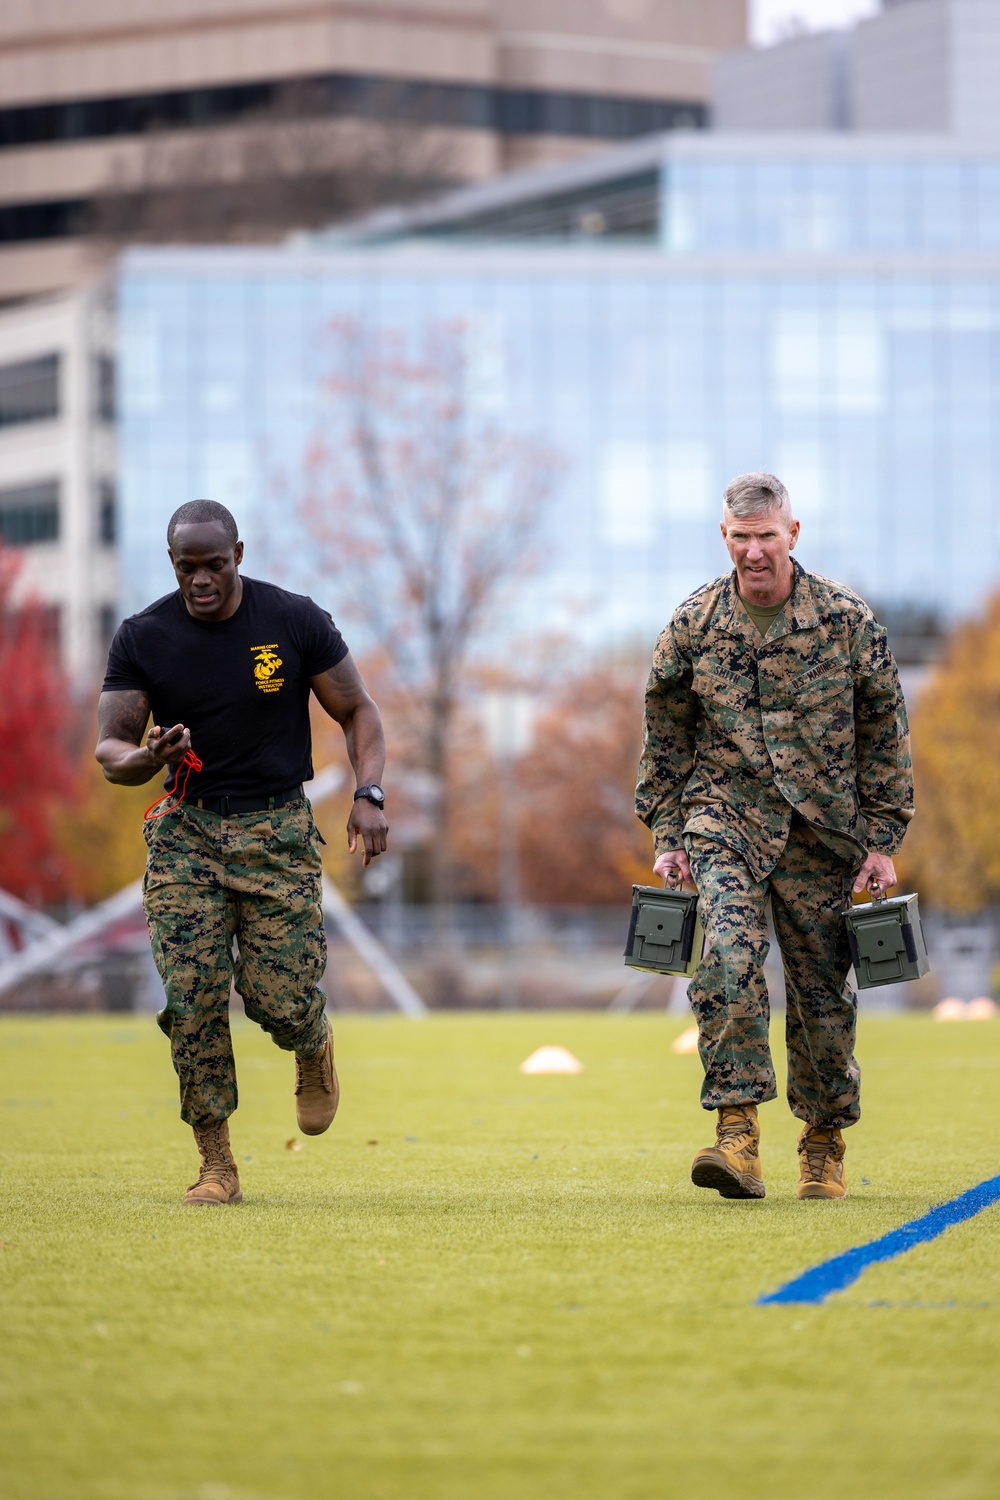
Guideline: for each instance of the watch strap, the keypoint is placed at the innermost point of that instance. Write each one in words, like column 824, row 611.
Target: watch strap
column 366, row 791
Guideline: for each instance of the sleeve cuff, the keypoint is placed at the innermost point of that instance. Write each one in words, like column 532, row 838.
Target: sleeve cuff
column 667, row 836
column 885, row 835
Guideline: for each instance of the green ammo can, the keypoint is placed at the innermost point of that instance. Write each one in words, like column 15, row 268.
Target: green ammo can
column 664, row 933
column 886, row 941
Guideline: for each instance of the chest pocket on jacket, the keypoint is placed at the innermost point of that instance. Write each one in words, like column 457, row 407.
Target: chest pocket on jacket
column 822, row 691
column 722, row 699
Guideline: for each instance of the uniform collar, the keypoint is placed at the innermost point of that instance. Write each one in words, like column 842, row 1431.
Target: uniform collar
column 799, row 613
column 730, row 615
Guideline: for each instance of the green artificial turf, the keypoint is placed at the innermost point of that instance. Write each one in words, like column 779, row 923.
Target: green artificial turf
column 515, row 1293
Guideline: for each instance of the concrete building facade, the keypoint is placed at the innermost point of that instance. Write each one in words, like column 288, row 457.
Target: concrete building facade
column 141, row 118
column 58, row 502
column 921, row 65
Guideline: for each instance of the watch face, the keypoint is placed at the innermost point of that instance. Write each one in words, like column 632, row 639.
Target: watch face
column 377, row 793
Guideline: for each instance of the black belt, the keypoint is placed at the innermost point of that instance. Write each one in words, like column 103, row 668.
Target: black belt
column 224, row 806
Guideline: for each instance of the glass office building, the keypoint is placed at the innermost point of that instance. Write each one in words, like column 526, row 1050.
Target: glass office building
column 833, row 317
column 865, row 202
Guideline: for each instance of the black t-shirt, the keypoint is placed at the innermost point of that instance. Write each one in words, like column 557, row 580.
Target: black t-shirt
column 240, row 685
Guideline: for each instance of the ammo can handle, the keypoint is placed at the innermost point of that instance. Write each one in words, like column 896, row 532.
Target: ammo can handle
column 672, row 879
column 877, row 893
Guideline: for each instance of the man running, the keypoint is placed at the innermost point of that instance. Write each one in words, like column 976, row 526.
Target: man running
column 226, row 666
column 775, row 767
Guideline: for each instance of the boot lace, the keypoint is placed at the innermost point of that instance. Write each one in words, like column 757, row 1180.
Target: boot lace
column 314, row 1072
column 216, row 1160
column 735, row 1129
column 818, row 1147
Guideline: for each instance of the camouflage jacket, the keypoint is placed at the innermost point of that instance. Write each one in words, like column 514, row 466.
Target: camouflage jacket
column 740, row 731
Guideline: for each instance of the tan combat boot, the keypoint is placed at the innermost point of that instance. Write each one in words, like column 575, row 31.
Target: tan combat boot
column 317, row 1089
column 732, row 1165
column 218, row 1181
column 821, row 1163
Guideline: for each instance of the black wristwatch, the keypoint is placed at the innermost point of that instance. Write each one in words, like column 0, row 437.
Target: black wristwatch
column 373, row 794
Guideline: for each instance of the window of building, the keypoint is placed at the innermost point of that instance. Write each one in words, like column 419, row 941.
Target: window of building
column 105, row 378
column 107, row 512
column 371, row 96
column 416, row 102
column 41, row 221
column 624, row 208
column 29, row 514
column 29, row 390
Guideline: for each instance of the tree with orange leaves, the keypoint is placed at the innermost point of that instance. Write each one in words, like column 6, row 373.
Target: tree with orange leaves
column 579, row 842
column 952, row 849
column 424, row 510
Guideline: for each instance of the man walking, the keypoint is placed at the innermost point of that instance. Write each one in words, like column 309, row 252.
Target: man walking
column 775, row 766
column 229, row 664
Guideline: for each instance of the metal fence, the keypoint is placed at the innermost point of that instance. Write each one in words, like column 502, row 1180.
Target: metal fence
column 412, row 931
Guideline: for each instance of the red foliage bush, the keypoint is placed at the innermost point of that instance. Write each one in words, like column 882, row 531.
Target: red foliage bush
column 37, row 720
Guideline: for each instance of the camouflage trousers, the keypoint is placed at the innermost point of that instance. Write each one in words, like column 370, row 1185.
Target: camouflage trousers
column 255, row 878
column 808, row 889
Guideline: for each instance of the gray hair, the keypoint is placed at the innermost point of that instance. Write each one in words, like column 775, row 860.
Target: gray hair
column 755, row 495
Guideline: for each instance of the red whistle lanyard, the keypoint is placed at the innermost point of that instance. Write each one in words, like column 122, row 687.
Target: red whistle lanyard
column 188, row 764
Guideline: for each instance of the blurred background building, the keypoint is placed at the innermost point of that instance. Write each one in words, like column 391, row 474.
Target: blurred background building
column 843, row 351
column 241, row 119
column 122, row 121
column 58, row 465
column 668, row 315
column 811, row 286
column 923, row 65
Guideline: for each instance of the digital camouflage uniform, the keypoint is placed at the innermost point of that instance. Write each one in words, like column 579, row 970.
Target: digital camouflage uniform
column 255, row 877
column 778, row 762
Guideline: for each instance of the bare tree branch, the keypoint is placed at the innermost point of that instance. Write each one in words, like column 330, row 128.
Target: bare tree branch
column 425, row 511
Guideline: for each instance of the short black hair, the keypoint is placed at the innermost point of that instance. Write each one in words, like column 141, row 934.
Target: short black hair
column 195, row 512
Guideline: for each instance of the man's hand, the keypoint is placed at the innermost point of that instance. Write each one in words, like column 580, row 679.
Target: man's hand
column 368, row 823
column 676, row 860
column 126, row 759
column 169, row 746
column 878, row 867
column 122, row 718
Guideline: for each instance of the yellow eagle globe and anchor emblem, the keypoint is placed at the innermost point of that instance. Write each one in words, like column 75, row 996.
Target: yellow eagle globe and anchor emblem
column 266, row 663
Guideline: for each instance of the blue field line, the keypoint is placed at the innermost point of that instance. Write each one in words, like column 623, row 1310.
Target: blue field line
column 842, row 1270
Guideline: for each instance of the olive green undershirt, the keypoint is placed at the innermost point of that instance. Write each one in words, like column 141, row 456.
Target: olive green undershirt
column 763, row 615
